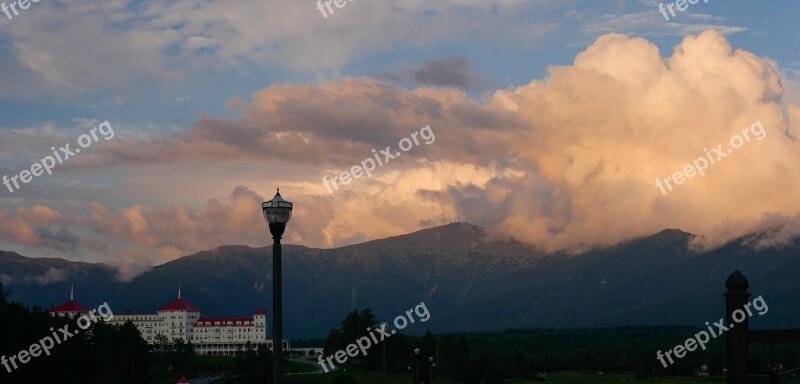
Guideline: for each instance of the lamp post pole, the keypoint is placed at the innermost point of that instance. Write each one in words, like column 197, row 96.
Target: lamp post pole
column 432, row 364
column 277, row 311
column 383, row 329
column 277, row 212
column 416, row 358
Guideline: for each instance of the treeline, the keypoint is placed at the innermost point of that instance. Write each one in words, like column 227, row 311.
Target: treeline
column 254, row 364
column 529, row 352
column 438, row 356
column 99, row 354
column 491, row 357
column 616, row 349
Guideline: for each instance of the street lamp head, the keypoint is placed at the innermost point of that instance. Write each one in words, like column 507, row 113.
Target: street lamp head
column 277, row 212
column 430, row 359
column 416, row 351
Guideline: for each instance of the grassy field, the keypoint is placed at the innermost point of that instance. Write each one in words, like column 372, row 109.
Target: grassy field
column 213, row 364
column 299, row 375
column 360, row 376
column 554, row 377
column 202, row 364
column 295, row 367
column 573, row 377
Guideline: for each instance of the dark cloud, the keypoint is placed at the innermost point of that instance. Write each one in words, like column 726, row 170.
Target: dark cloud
column 63, row 240
column 450, row 72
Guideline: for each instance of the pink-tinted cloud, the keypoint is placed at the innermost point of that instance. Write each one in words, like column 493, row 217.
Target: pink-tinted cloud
column 176, row 231
column 24, row 226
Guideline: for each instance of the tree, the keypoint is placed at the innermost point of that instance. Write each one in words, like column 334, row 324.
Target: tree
column 353, row 327
column 334, row 342
column 254, row 365
column 121, row 353
column 100, row 353
column 429, row 345
column 366, row 319
column 462, row 348
column 161, row 344
column 183, row 355
column 3, row 294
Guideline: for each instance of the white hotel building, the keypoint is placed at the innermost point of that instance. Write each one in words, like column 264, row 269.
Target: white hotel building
column 222, row 336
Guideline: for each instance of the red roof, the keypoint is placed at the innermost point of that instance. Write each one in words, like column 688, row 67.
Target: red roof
column 179, row 305
column 223, row 321
column 183, row 380
column 71, row 306
column 261, row 312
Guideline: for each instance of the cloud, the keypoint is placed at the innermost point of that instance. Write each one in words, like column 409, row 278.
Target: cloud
column 52, row 275
column 335, row 124
column 173, row 232
column 63, row 239
column 449, row 72
column 567, row 162
column 24, row 226
column 113, row 46
column 621, row 116
column 651, row 23
column 199, row 42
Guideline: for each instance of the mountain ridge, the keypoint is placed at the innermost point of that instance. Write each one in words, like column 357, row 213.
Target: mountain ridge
column 473, row 281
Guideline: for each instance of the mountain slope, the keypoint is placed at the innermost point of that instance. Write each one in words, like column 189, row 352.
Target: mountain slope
column 468, row 281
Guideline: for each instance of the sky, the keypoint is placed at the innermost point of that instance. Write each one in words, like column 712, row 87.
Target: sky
column 566, row 124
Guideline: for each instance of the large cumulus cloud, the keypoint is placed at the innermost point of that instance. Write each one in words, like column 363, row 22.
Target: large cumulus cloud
column 604, row 128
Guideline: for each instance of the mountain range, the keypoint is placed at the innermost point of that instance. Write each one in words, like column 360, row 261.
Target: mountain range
column 468, row 280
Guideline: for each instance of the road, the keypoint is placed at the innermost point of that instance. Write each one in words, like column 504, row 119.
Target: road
column 302, row 360
column 204, row 380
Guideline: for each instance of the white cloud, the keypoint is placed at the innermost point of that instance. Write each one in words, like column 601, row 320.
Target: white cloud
column 68, row 48
column 52, row 275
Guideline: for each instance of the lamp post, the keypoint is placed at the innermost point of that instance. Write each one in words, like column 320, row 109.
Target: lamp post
column 383, row 329
column 430, row 376
column 416, row 359
column 277, row 212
